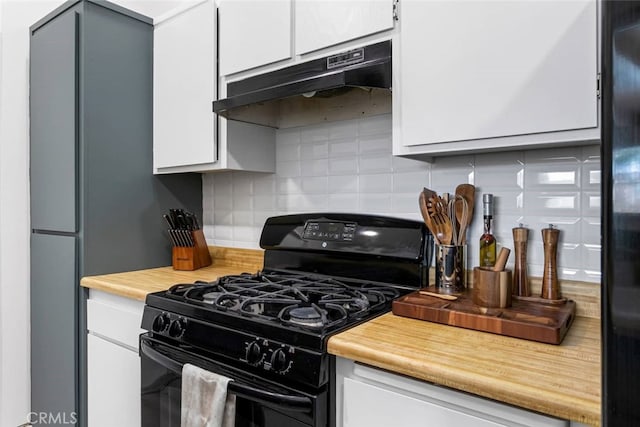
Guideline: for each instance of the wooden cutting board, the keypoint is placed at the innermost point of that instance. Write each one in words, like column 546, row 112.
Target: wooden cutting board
column 529, row 320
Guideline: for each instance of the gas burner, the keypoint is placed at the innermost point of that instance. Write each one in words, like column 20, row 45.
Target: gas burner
column 313, row 316
column 211, row 297
column 228, row 302
column 307, row 316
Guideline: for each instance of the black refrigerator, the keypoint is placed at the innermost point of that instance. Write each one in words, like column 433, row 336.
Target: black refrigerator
column 96, row 206
column 621, row 214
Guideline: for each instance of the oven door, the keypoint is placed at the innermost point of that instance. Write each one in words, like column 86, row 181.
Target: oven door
column 259, row 403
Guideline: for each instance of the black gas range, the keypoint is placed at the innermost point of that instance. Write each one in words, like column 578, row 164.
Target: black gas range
column 268, row 330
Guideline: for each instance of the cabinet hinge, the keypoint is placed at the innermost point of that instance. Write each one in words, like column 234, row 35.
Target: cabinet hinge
column 395, row 9
column 598, row 91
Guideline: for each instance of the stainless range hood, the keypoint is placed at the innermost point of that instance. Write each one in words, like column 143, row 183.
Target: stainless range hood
column 313, row 88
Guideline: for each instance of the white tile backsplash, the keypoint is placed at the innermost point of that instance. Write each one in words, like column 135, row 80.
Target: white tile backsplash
column 375, row 144
column 315, row 185
column 313, row 133
column 343, row 184
column 344, row 202
column 345, row 129
column 376, row 203
column 343, row 166
column 314, row 150
column 314, row 167
column 288, row 168
column 343, row 147
column 375, row 163
column 348, row 167
column 377, row 183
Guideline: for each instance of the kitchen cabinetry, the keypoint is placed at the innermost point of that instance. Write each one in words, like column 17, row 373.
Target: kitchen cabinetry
column 184, row 80
column 253, row 33
column 321, row 23
column 471, row 76
column 365, row 394
column 113, row 364
column 95, row 206
column 186, row 135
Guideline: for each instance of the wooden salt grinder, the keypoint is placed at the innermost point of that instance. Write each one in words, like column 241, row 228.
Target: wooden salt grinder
column 550, row 286
column 520, row 277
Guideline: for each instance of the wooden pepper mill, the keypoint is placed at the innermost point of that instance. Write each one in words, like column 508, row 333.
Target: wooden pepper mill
column 520, row 276
column 550, row 286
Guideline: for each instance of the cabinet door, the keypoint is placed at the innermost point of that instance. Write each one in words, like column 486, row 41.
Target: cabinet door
column 113, row 384
column 368, row 405
column 54, row 324
column 253, row 33
column 184, row 81
column 322, row 23
column 473, row 70
column 53, row 124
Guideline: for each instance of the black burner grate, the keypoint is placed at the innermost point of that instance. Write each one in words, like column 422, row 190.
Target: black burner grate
column 307, row 301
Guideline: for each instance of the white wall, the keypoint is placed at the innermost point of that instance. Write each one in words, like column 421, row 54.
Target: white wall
column 348, row 167
column 15, row 18
column 14, row 209
column 1, row 305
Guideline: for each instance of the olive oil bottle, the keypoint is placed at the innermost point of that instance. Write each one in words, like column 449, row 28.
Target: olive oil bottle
column 487, row 240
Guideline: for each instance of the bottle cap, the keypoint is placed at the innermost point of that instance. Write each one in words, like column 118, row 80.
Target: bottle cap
column 487, row 204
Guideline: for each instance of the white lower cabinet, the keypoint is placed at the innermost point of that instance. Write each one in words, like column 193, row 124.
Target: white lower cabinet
column 114, row 384
column 113, row 364
column 371, row 397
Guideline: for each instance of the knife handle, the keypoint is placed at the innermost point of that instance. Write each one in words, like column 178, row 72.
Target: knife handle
column 172, row 237
column 169, row 221
column 188, row 238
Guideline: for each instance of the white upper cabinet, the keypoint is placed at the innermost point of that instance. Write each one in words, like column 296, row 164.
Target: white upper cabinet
column 476, row 75
column 184, row 81
column 253, row 33
column 324, row 23
column 186, row 137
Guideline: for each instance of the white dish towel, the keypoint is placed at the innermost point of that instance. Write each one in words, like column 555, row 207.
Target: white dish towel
column 205, row 401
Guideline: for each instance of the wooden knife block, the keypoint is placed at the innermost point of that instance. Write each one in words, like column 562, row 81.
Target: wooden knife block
column 190, row 258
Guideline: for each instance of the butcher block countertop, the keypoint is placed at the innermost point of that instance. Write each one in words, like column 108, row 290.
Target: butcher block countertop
column 559, row 380
column 137, row 284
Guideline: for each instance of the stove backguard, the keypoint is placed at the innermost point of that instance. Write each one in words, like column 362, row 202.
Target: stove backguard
column 367, row 247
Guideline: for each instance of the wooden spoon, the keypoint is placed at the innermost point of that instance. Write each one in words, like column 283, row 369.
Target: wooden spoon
column 444, row 229
column 428, row 193
column 440, row 220
column 422, row 201
column 468, row 192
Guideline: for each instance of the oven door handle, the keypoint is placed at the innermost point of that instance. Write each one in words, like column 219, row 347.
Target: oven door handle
column 284, row 401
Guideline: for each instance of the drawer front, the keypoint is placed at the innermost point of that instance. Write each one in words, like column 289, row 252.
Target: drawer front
column 117, row 319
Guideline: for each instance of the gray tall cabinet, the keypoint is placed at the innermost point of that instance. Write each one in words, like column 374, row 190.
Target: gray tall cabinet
column 96, row 207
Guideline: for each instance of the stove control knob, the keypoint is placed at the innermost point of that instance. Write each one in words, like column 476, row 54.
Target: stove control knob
column 160, row 323
column 177, row 328
column 254, row 353
column 279, row 360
